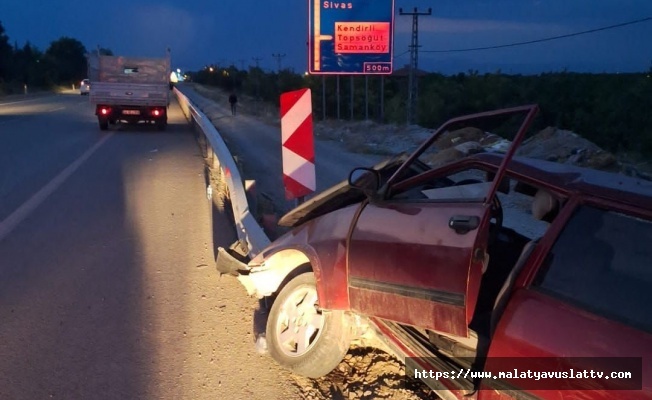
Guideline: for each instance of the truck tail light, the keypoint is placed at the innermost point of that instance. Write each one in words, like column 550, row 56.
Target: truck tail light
column 105, row 110
column 157, row 112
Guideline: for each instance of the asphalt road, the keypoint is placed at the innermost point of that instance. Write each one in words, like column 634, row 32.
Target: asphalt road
column 107, row 286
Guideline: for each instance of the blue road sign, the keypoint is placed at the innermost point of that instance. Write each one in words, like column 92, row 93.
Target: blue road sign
column 351, row 37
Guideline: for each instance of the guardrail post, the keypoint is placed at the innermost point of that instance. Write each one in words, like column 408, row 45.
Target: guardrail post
column 204, row 144
column 210, row 154
column 250, row 190
column 215, row 162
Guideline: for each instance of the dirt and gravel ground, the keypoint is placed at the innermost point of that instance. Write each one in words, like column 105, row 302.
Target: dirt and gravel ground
column 366, row 374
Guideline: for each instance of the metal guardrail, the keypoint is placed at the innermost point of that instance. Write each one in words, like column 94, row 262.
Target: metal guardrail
column 248, row 229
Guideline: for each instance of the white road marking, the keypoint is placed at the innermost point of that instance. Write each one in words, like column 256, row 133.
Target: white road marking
column 56, row 109
column 22, row 212
column 21, row 101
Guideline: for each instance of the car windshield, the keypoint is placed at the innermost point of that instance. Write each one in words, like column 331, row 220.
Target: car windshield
column 484, row 132
column 489, row 132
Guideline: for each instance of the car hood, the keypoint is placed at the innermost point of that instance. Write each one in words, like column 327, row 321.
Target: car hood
column 337, row 196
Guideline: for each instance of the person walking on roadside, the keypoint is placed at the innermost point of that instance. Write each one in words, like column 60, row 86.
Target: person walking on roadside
column 233, row 99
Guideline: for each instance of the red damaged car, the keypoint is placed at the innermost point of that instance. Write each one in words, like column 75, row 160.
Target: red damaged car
column 491, row 276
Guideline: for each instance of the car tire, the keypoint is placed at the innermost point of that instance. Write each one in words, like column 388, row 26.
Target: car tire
column 301, row 338
column 104, row 125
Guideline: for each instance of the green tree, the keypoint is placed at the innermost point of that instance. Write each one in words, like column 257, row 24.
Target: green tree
column 105, row 52
column 6, row 55
column 28, row 68
column 67, row 61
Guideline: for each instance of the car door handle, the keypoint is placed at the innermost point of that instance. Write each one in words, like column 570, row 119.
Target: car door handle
column 462, row 224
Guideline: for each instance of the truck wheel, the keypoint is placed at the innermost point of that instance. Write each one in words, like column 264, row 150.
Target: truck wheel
column 300, row 336
column 104, row 125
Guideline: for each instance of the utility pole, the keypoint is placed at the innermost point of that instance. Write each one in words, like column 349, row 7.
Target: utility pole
column 382, row 99
column 338, row 97
column 279, row 57
column 257, row 61
column 351, row 98
column 366, row 97
column 323, row 97
column 413, row 90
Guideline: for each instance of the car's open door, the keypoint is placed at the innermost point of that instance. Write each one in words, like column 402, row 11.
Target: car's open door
column 418, row 258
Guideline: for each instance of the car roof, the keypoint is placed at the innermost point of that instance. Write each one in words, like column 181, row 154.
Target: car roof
column 571, row 178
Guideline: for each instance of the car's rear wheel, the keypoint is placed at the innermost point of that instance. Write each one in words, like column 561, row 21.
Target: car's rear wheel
column 302, row 337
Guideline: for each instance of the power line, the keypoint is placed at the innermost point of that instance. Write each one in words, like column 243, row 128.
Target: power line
column 402, row 54
column 541, row 40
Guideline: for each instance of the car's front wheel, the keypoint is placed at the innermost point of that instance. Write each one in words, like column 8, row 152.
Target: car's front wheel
column 302, row 337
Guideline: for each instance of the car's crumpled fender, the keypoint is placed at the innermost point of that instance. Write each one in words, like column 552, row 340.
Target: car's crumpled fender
column 269, row 269
column 319, row 246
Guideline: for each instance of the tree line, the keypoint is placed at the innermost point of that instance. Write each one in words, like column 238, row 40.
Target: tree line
column 61, row 64
column 612, row 110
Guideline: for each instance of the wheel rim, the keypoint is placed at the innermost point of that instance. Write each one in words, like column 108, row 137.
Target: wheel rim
column 299, row 324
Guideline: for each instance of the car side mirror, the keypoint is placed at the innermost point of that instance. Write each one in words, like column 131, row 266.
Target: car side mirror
column 365, row 179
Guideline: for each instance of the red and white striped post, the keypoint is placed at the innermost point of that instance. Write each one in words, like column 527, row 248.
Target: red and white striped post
column 298, row 144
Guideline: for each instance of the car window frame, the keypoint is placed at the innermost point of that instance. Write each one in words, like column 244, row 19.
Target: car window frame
column 438, row 173
column 528, row 113
column 551, row 238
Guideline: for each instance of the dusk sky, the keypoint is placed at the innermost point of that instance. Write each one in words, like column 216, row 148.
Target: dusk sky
column 202, row 32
